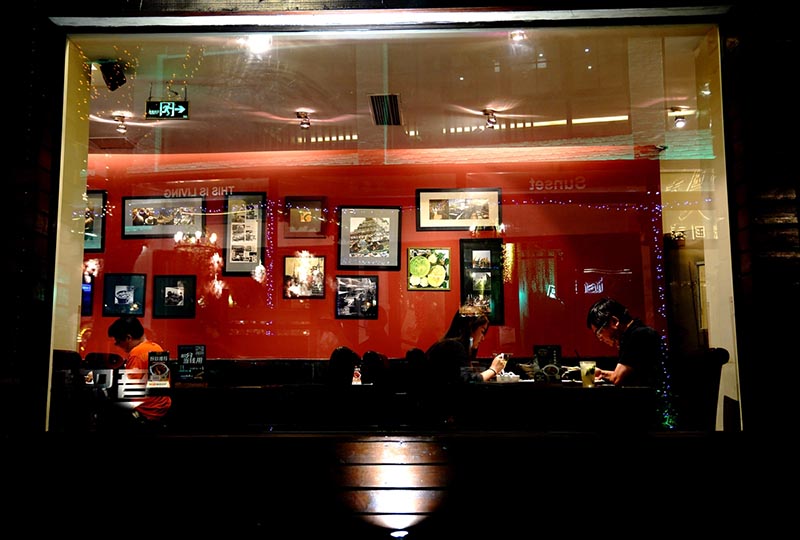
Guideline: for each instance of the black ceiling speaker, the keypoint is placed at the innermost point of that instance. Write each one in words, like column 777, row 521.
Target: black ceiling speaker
column 113, row 74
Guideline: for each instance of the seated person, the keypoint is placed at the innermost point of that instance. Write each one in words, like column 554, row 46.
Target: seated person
column 450, row 358
column 341, row 365
column 128, row 334
column 374, row 366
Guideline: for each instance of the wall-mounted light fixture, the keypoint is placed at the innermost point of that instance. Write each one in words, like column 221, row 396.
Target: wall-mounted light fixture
column 305, row 122
column 680, row 122
column 491, row 119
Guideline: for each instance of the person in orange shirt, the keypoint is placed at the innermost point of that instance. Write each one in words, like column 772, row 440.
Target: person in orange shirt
column 128, row 334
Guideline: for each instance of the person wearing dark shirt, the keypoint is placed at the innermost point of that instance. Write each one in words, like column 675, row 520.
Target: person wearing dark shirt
column 450, row 358
column 640, row 353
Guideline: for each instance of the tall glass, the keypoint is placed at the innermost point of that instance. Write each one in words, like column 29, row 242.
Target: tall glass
column 587, row 372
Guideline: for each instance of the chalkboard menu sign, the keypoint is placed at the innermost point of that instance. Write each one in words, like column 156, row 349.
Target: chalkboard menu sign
column 191, row 363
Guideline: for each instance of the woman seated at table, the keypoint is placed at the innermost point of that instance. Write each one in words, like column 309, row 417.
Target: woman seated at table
column 450, row 358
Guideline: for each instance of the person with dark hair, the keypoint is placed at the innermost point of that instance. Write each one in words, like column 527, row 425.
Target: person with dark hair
column 450, row 358
column 640, row 353
column 374, row 368
column 341, row 364
column 128, row 334
column 416, row 366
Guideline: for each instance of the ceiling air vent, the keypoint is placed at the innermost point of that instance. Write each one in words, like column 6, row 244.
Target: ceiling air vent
column 385, row 109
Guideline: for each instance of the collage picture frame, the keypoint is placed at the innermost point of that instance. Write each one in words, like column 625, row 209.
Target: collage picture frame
column 482, row 276
column 243, row 247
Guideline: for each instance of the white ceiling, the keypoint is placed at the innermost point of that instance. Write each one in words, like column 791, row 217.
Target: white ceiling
column 240, row 101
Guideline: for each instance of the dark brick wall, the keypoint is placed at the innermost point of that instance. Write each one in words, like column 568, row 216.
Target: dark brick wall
column 34, row 76
column 763, row 182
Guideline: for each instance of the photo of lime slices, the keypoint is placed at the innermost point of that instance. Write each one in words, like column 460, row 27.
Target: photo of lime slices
column 419, row 266
column 436, row 276
column 428, row 269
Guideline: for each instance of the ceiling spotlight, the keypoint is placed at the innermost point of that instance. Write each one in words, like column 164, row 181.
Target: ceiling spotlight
column 491, row 119
column 677, row 114
column 305, row 122
column 121, row 127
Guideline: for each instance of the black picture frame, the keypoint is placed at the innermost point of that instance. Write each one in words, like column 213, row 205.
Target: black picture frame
column 94, row 226
column 124, row 294
column 482, row 276
column 244, row 233
column 305, row 217
column 459, row 209
column 162, row 217
column 307, row 275
column 174, row 296
column 369, row 237
column 356, row 297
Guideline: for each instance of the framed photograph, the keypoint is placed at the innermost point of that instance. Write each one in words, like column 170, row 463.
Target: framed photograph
column 161, row 217
column 482, row 276
column 174, row 297
column 123, row 294
column 304, row 277
column 356, row 297
column 369, row 237
column 306, row 217
column 458, row 209
column 244, row 232
column 94, row 221
column 428, row 269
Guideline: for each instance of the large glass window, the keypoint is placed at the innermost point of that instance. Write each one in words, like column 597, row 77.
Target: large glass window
column 205, row 174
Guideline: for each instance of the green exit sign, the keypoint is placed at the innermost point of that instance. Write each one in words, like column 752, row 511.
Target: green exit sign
column 176, row 110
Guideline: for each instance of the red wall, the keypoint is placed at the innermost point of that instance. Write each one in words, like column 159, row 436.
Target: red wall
column 595, row 215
